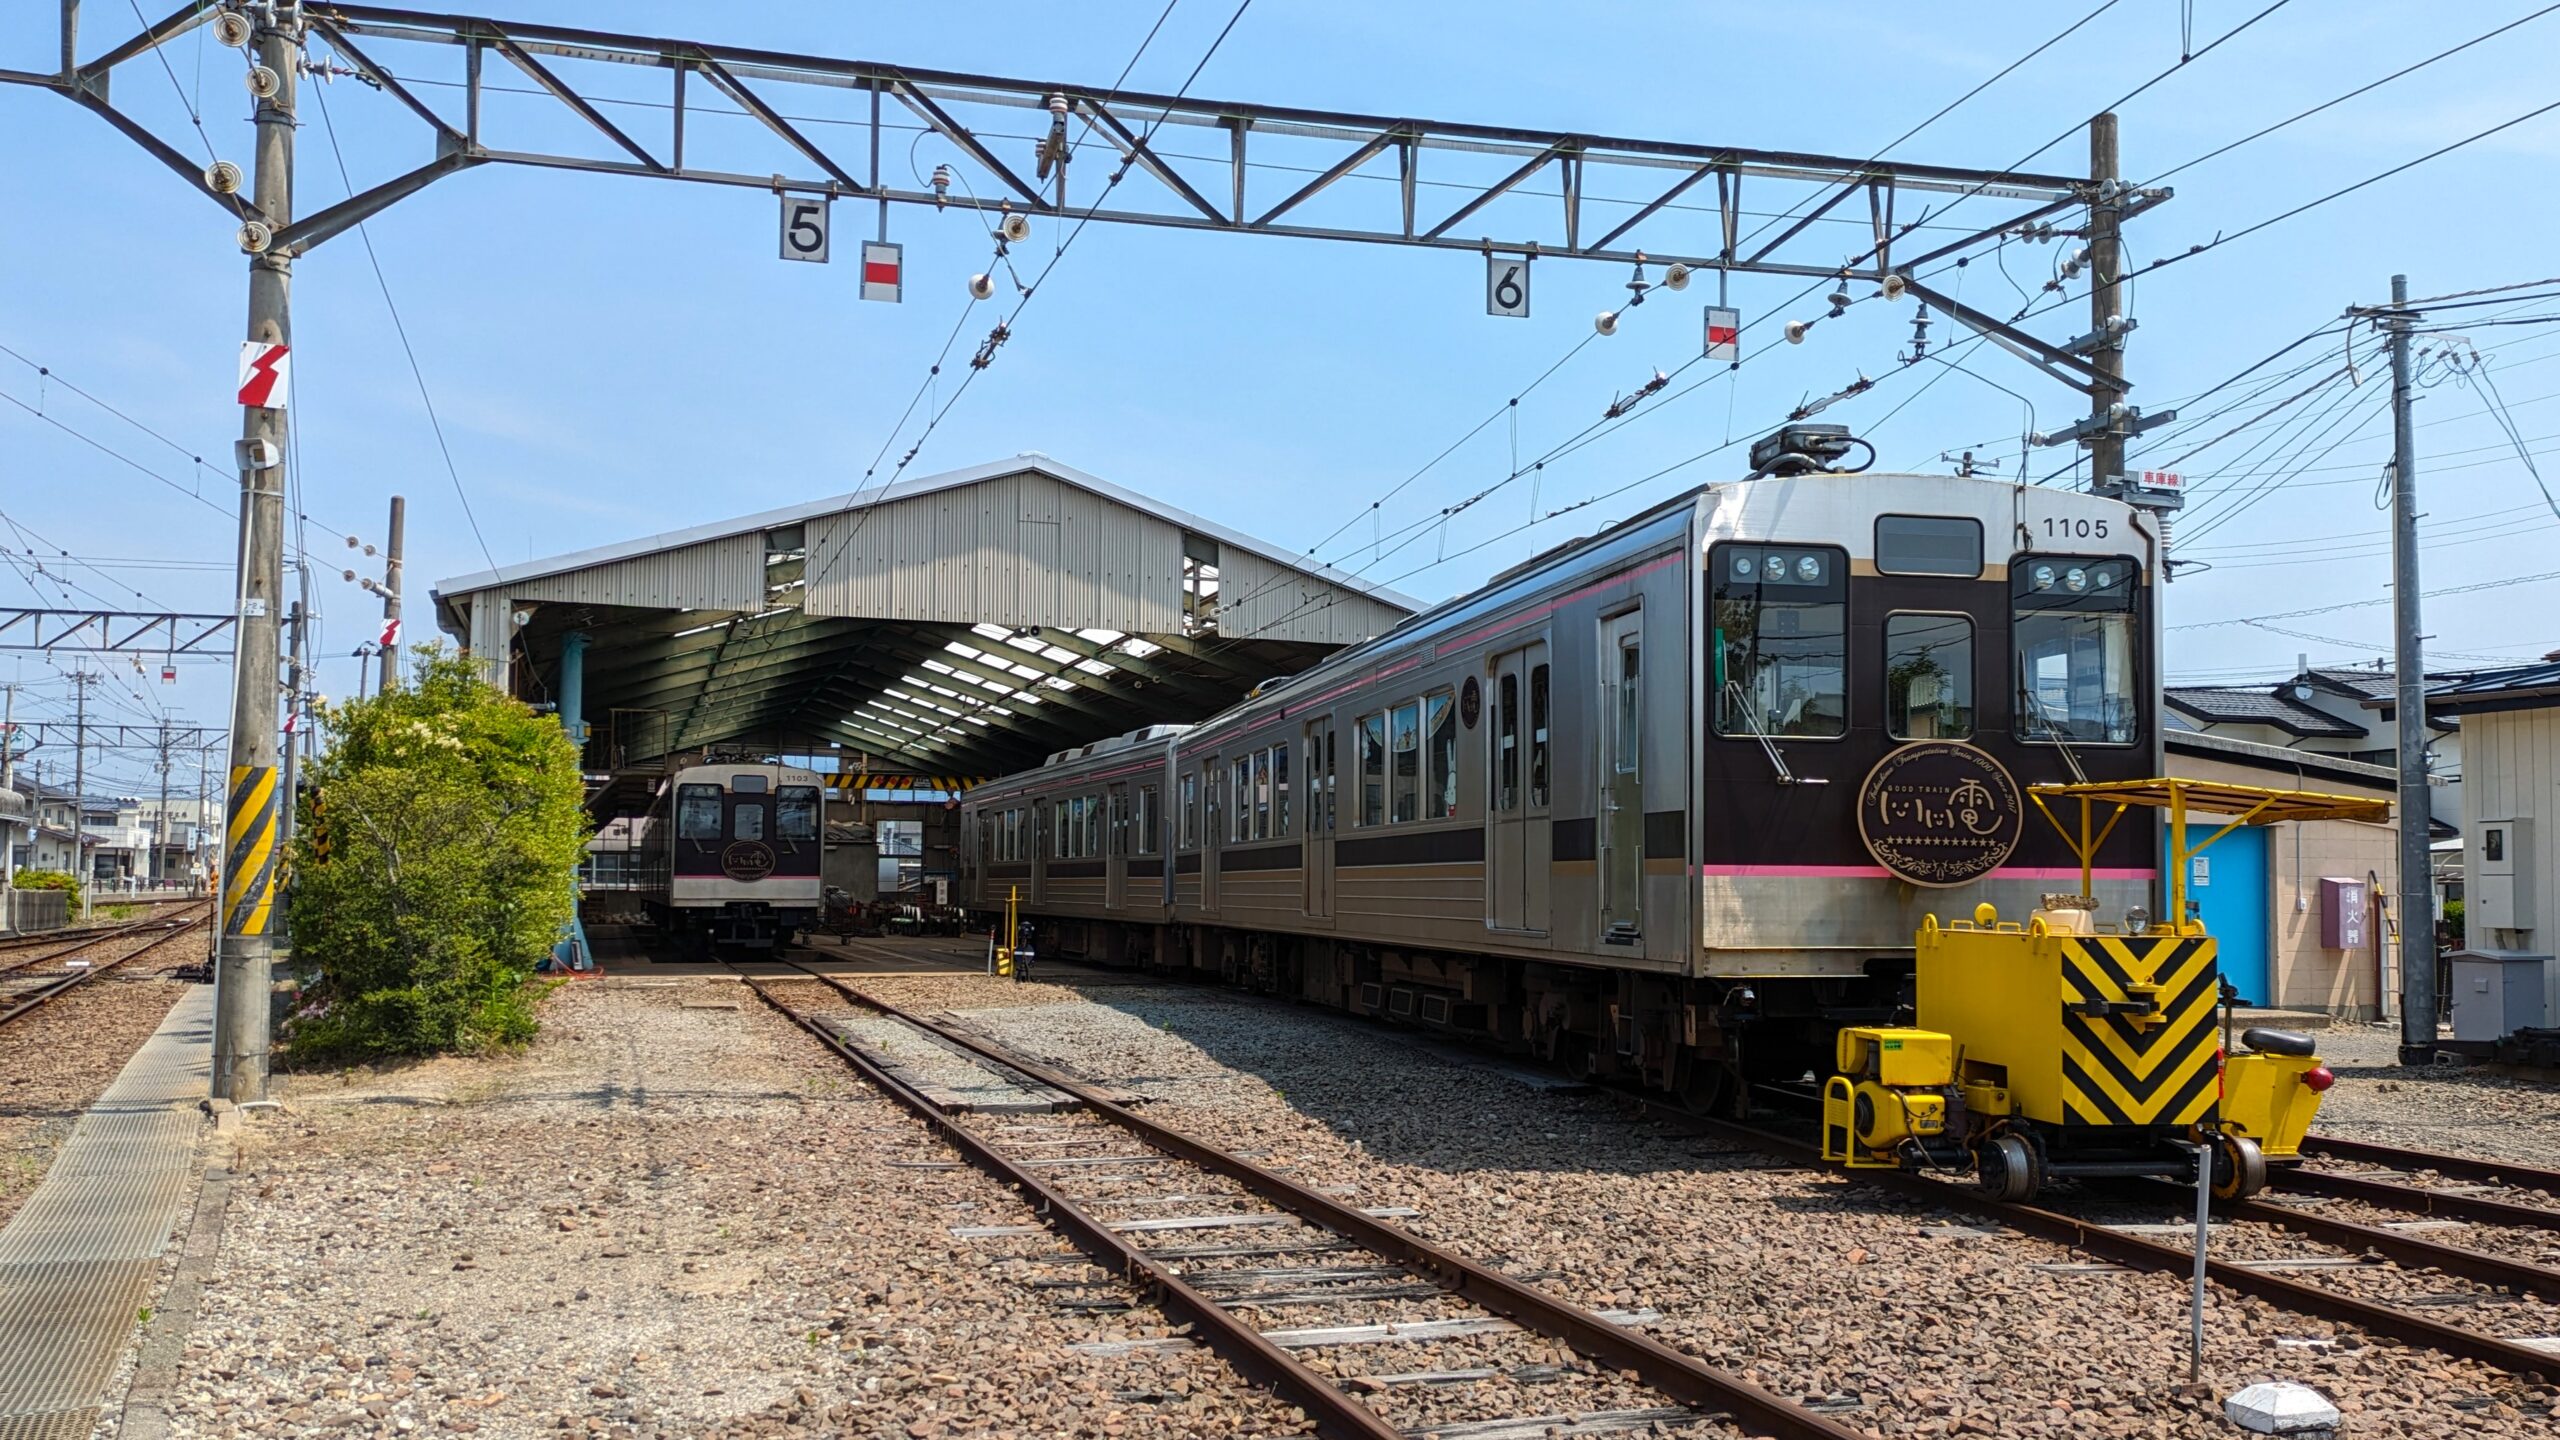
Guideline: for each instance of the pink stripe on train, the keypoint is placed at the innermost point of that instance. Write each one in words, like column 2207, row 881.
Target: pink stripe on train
column 1878, row 872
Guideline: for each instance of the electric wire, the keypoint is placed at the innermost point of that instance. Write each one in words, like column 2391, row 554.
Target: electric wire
column 416, row 373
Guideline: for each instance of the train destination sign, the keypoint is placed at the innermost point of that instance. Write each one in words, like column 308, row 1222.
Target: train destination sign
column 1940, row 813
column 747, row 860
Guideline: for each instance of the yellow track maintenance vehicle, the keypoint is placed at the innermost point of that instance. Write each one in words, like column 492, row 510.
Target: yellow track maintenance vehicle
column 2063, row 1044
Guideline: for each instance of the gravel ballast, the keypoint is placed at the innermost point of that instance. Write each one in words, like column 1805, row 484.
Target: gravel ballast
column 674, row 1215
column 1816, row 1287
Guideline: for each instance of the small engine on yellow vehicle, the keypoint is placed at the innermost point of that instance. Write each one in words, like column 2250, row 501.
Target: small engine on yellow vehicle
column 2064, row 1045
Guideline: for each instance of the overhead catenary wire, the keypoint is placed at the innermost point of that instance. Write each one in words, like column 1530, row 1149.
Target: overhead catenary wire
column 416, row 372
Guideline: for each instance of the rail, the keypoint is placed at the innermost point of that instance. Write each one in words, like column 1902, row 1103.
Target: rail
column 27, row 1001
column 1674, row 1373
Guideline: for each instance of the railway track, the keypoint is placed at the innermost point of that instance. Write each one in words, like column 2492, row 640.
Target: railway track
column 49, row 945
column 25, row 987
column 2270, row 1280
column 2488, row 1191
column 1083, row 1169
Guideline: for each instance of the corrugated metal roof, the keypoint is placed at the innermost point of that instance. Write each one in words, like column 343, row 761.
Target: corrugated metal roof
column 1030, row 460
column 968, row 623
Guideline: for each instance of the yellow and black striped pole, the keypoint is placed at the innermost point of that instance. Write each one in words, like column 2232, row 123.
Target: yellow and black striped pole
column 250, row 856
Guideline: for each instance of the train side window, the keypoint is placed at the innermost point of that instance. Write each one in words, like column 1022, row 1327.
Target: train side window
column 1440, row 724
column 1279, row 791
column 795, row 814
column 1373, row 769
column 746, row 821
column 1240, row 799
column 1190, row 811
column 1928, row 677
column 698, row 812
column 1261, row 794
column 2071, row 621
column 1929, row 545
column 1404, row 740
column 1058, row 847
column 1209, row 801
column 1506, row 743
column 1537, row 735
column 1780, row 622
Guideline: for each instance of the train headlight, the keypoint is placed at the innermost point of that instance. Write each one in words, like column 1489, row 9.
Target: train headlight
column 1808, row 569
column 2042, row 576
column 1777, row 567
column 1742, row 567
column 2075, row 579
column 2102, row 578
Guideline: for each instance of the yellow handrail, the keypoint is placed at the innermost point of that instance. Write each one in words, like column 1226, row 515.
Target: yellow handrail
column 2253, row 805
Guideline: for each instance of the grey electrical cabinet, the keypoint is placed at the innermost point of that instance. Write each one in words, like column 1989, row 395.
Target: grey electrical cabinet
column 2498, row 992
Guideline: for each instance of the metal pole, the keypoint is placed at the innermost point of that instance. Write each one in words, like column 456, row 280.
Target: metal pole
column 391, row 594
column 292, row 777
column 2106, row 273
column 250, row 859
column 71, row 40
column 2195, row 1295
column 2417, row 898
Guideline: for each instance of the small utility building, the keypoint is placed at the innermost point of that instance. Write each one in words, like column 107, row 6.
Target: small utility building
column 939, row 630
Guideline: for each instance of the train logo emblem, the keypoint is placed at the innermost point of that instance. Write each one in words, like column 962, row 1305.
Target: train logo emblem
column 1940, row 813
column 747, row 860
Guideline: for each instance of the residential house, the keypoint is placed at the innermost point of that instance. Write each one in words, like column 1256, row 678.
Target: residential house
column 2341, row 711
column 2511, row 851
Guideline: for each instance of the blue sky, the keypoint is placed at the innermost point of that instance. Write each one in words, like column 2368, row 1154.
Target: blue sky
column 614, row 358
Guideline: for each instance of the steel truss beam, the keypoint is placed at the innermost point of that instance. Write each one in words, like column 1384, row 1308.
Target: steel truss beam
column 1630, row 186
column 121, row 632
column 29, row 735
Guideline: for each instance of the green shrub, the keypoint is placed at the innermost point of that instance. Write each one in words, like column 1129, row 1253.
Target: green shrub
column 51, row 880
column 436, row 873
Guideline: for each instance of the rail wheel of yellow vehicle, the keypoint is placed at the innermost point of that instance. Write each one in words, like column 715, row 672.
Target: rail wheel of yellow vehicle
column 2239, row 1169
column 2007, row 1168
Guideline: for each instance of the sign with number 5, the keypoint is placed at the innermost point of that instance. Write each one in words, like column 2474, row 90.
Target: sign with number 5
column 804, row 228
column 1506, row 286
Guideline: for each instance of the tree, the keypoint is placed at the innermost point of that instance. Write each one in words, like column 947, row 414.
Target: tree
column 431, row 868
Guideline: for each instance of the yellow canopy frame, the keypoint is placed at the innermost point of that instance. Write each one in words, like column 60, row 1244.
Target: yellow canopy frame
column 2251, row 804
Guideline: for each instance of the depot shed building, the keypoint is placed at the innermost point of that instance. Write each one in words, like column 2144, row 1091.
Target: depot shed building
column 924, row 635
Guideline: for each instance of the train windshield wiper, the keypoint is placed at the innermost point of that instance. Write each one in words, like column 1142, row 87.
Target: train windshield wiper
column 1760, row 732
column 2032, row 704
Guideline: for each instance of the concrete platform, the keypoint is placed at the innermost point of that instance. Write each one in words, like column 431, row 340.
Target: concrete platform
column 82, row 1257
column 2282, row 1019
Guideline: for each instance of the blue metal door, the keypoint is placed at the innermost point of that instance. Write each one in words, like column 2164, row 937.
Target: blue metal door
column 2229, row 883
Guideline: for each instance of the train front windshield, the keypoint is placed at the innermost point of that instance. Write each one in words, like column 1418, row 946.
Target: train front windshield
column 2072, row 625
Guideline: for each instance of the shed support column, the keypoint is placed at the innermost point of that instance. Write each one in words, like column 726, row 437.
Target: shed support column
column 573, row 689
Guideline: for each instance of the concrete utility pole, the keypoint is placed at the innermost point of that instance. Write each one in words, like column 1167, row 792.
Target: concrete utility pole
column 2417, row 889
column 160, row 818
column 2106, row 278
column 81, row 680
column 8, row 829
column 391, row 595
column 243, row 973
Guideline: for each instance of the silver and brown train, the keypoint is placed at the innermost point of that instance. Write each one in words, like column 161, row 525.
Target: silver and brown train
column 1667, row 803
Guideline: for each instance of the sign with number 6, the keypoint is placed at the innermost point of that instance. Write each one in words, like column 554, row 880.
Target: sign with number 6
column 1506, row 286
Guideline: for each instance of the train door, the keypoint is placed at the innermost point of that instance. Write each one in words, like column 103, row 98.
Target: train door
column 1115, row 888
column 1621, row 771
column 1518, row 845
column 1318, row 810
column 1041, row 850
column 1213, row 831
column 750, row 807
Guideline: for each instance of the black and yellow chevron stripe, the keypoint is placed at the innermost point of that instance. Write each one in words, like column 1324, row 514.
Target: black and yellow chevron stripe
column 2158, row 1069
